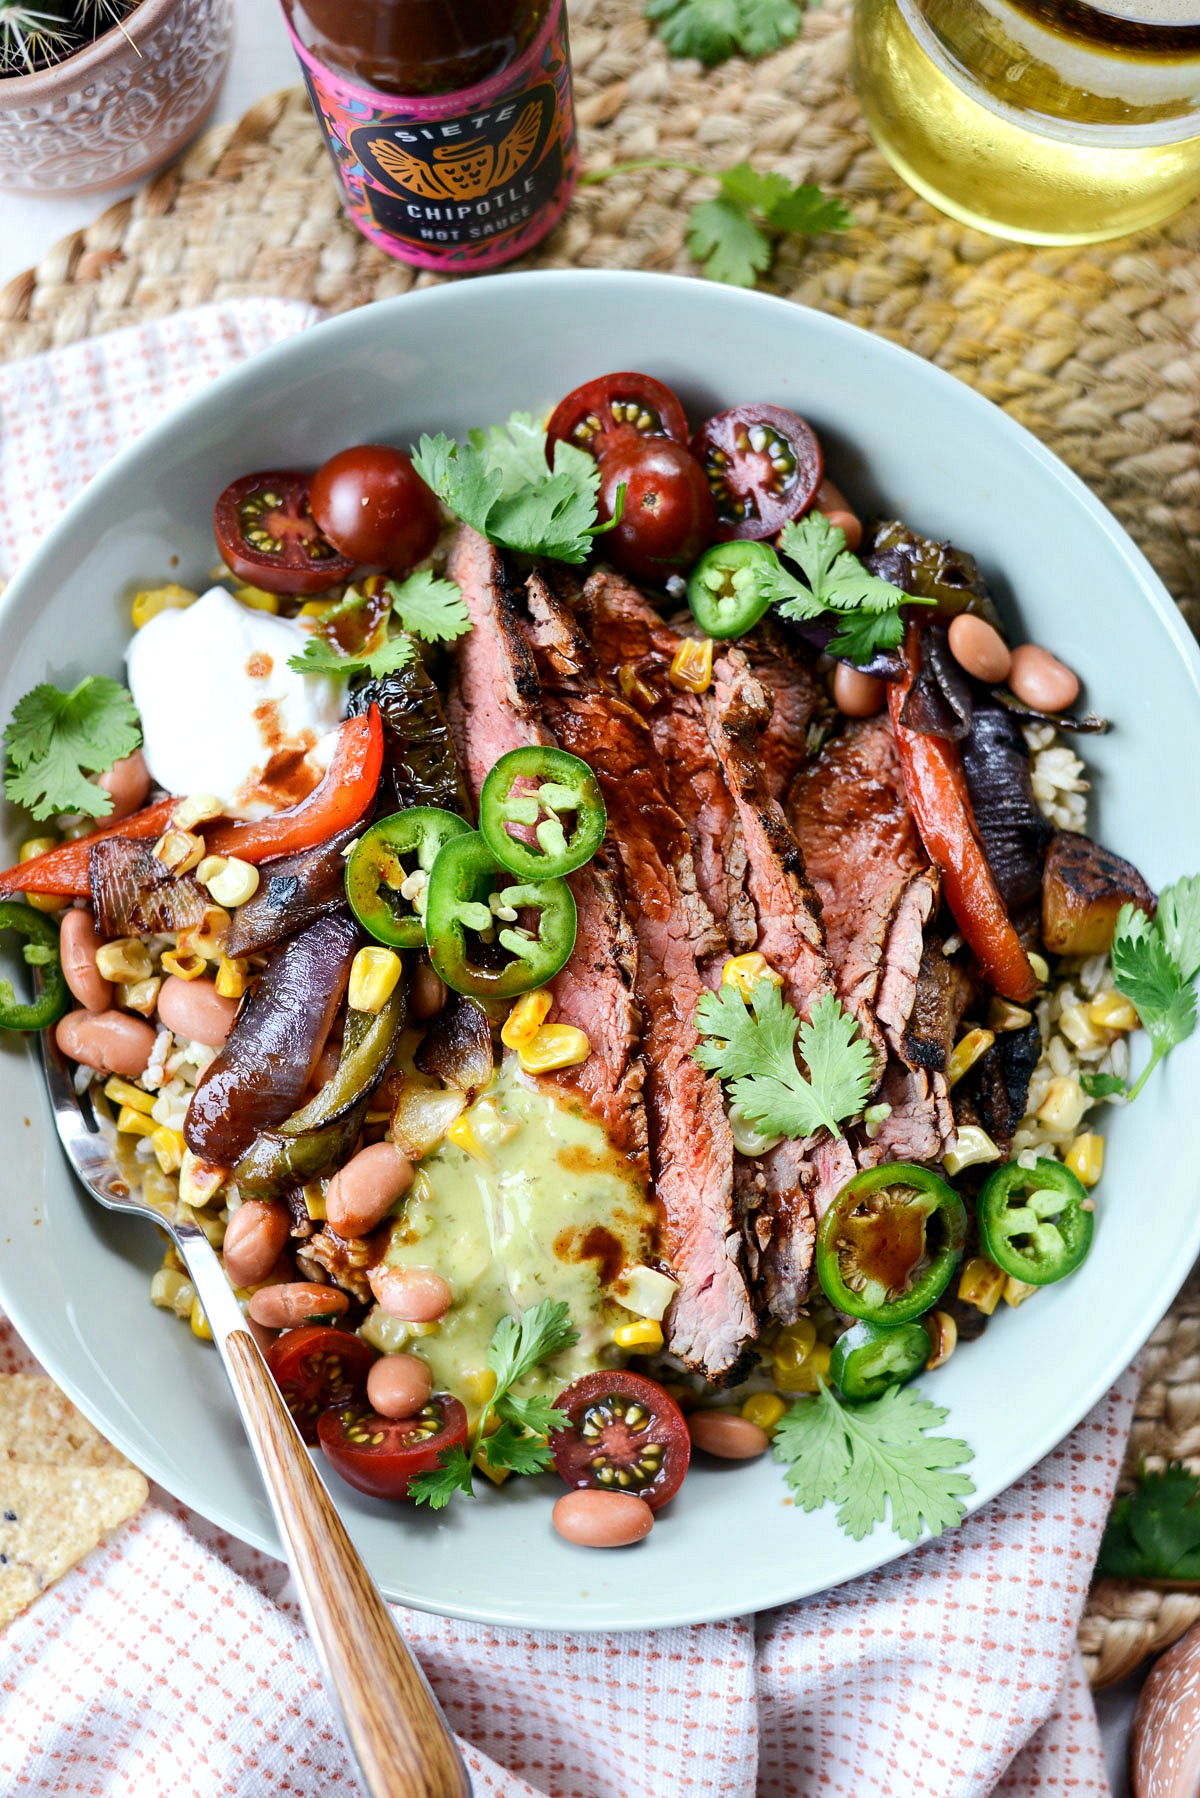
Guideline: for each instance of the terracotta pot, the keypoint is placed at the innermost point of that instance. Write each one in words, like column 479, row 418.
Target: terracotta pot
column 119, row 107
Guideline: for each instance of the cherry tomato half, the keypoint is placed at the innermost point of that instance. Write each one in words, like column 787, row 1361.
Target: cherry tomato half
column 764, row 466
column 379, row 1455
column 669, row 517
column 315, row 1367
column 615, row 409
column 373, row 505
column 625, row 1435
column 267, row 535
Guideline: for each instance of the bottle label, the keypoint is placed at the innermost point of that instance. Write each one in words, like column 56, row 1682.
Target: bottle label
column 456, row 182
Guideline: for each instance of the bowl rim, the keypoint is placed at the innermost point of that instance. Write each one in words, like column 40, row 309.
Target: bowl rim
column 1122, row 1346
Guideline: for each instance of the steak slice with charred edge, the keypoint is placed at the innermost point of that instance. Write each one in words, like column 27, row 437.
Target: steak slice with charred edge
column 903, row 953
column 626, row 631
column 786, row 671
column 711, row 1319
column 943, row 994
column 495, row 706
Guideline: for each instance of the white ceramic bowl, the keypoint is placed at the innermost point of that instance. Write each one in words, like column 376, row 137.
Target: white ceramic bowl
column 901, row 436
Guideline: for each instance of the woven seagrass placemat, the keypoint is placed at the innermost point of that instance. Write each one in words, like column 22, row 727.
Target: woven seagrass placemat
column 1096, row 349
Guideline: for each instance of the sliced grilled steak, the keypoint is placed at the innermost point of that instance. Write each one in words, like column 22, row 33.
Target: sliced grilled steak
column 495, row 706
column 920, row 1126
column 942, row 996
column 786, row 671
column 903, row 954
column 711, row 1319
column 626, row 631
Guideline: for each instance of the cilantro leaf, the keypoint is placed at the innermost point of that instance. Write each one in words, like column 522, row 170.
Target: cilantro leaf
column 714, row 30
column 531, row 1413
column 516, row 448
column 428, row 607
column 554, row 515
column 320, row 656
column 1145, row 969
column 519, row 1344
column 806, row 209
column 55, row 740
column 837, row 578
column 1154, row 1531
column 862, row 634
column 731, row 236
column 871, row 1457
column 1102, row 1086
column 755, row 1051
column 511, row 1449
column 729, row 246
column 437, row 1487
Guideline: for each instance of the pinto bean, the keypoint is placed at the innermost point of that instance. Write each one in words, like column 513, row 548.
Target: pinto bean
column 287, row 1307
column 361, row 1194
column 112, row 1042
column 602, row 1519
column 417, row 1295
column 978, row 647
column 726, row 1435
column 129, row 782
column 398, row 1385
column 836, row 507
column 77, row 945
column 427, row 994
column 195, row 1010
column 856, row 694
column 1040, row 680
column 257, row 1234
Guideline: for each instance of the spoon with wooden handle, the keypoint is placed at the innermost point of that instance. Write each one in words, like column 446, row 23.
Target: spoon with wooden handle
column 391, row 1721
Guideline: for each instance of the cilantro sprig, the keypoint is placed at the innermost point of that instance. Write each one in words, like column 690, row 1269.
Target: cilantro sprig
column 425, row 606
column 55, row 740
column 321, row 656
column 754, row 1050
column 422, row 605
column 870, row 1457
column 493, row 483
column 867, row 608
column 518, row 1345
column 734, row 236
column 1153, row 1532
column 714, row 30
column 1155, row 963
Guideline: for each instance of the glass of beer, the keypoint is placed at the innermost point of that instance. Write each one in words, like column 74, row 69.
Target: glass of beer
column 1049, row 121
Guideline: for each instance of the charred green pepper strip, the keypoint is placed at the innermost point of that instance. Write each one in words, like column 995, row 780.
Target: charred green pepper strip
column 40, row 952
column 477, row 942
column 727, row 589
column 869, row 1358
column 316, row 1139
column 384, row 858
column 1036, row 1223
column 532, row 788
column 889, row 1243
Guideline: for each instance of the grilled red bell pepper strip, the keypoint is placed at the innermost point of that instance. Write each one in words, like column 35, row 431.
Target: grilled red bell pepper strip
column 937, row 793
column 343, row 797
column 65, row 870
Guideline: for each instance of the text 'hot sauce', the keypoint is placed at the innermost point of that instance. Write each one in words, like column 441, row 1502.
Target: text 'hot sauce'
column 451, row 127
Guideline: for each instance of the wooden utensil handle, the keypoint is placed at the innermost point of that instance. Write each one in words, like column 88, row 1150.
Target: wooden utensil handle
column 391, row 1718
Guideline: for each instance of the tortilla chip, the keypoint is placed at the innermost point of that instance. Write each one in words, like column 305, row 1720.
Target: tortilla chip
column 50, row 1517
column 39, row 1424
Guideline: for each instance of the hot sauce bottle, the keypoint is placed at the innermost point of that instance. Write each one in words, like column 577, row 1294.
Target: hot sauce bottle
column 450, row 124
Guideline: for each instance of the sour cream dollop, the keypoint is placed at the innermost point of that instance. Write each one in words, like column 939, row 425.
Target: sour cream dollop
column 223, row 713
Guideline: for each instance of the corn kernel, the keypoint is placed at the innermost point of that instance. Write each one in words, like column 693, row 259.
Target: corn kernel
column 692, row 665
column 497, row 1475
column 187, row 967
column 207, row 938
column 980, row 1284
column 1004, row 1015
column 645, row 1335
column 199, row 808
column 140, row 995
column 152, row 600
column 554, row 1046
column 198, row 1183
column 232, row 881
column 644, row 1291
column 199, row 1322
column 744, row 972
column 966, row 1053
column 125, row 960
column 805, row 1377
column 314, row 1200
column 166, row 1286
column 462, row 1134
column 971, row 1147
column 373, row 977
column 168, row 1146
column 634, row 689
column 257, row 598
column 795, row 1342
column 1064, row 1104
column 1112, row 1011
column 179, row 851
column 765, row 1409
column 526, row 1018
column 32, row 847
column 943, row 1338
column 134, row 1123
column 232, row 977
column 47, row 902
column 476, row 1386
column 184, row 1299
column 122, row 1093
column 1085, row 1157
column 1040, row 966
column 1017, row 1291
